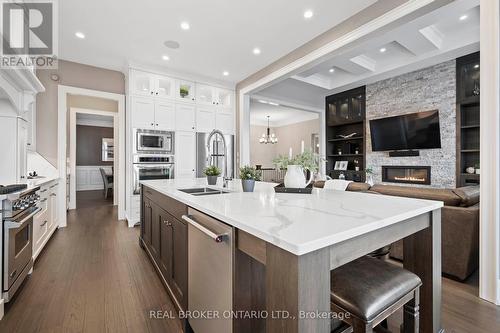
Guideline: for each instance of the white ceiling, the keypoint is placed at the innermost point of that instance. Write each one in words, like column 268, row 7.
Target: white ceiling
column 279, row 115
column 221, row 38
column 428, row 40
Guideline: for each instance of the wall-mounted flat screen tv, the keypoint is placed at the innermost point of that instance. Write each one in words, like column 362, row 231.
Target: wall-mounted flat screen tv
column 407, row 132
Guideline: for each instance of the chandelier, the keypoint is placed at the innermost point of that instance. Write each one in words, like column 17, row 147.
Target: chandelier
column 268, row 137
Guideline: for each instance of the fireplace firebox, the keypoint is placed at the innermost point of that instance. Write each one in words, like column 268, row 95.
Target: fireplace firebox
column 407, row 174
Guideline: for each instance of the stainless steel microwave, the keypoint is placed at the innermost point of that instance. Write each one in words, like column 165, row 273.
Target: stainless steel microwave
column 152, row 141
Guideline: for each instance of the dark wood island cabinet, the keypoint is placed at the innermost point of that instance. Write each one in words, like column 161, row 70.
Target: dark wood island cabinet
column 164, row 238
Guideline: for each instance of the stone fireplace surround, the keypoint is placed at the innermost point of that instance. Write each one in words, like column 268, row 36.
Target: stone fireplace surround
column 432, row 88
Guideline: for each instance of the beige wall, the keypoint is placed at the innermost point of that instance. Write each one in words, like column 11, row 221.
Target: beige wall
column 288, row 136
column 70, row 74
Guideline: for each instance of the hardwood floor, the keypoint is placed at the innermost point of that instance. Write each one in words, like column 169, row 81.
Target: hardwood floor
column 93, row 277
column 86, row 199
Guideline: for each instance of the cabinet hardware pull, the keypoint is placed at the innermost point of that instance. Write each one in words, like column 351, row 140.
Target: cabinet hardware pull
column 42, row 191
column 44, row 223
column 53, row 195
column 43, row 200
column 218, row 238
column 13, row 273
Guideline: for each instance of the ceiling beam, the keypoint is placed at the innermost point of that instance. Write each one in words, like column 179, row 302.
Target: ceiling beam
column 365, row 62
column 433, row 35
column 415, row 42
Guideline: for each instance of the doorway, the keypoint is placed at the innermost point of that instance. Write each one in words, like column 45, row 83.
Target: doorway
column 92, row 157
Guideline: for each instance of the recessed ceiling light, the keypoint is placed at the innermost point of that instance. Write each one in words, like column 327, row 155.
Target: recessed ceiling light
column 80, row 35
column 263, row 101
column 272, row 103
column 225, row 73
column 308, row 14
column 165, row 57
column 172, row 44
column 382, row 50
column 463, row 17
column 331, row 70
column 185, row 26
column 256, row 51
column 476, row 66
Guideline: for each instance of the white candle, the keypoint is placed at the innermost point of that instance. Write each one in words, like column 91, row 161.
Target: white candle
column 302, row 146
column 290, row 153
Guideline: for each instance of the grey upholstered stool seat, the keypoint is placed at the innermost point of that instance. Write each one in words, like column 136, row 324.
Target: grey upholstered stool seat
column 371, row 289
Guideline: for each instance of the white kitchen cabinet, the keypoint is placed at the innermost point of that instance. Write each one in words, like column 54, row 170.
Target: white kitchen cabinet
column 22, row 149
column 143, row 112
column 225, row 98
column 185, row 117
column 149, row 113
column 185, row 155
column 185, row 91
column 205, row 94
column 142, row 83
column 164, row 87
column 53, row 219
column 45, row 222
column 224, row 120
column 152, row 85
column 164, row 115
column 205, row 119
column 209, row 95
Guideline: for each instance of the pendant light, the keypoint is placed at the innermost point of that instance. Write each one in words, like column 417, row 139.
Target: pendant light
column 268, row 137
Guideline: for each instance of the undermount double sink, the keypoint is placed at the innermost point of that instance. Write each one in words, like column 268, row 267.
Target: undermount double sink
column 198, row 191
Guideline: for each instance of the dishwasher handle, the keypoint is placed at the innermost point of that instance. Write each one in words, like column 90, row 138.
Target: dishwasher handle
column 218, row 238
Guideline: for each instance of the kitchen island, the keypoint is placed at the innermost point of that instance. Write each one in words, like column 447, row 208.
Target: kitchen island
column 283, row 248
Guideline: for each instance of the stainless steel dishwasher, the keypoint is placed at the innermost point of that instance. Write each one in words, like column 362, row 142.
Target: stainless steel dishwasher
column 210, row 273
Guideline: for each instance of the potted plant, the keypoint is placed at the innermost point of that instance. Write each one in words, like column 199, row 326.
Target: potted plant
column 212, row 172
column 369, row 176
column 183, row 91
column 296, row 167
column 248, row 177
column 477, row 169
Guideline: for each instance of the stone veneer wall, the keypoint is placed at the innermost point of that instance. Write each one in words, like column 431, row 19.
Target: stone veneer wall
column 427, row 89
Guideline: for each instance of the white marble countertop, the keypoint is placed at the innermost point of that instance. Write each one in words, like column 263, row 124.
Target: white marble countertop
column 298, row 223
column 40, row 181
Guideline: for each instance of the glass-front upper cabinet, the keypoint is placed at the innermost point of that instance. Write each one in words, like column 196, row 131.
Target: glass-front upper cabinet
column 357, row 112
column 468, row 78
column 205, row 94
column 142, row 83
column 225, row 98
column 164, row 86
column 185, row 91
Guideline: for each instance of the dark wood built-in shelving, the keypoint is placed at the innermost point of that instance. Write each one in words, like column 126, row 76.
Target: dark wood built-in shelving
column 345, row 114
column 468, row 126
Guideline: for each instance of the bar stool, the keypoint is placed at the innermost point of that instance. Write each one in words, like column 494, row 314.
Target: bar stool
column 368, row 290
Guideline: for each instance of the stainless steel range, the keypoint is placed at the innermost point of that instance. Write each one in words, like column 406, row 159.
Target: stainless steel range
column 18, row 209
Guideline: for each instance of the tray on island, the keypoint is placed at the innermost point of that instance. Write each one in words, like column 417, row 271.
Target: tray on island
column 282, row 189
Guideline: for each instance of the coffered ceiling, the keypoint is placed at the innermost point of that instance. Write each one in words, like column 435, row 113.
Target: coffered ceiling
column 444, row 34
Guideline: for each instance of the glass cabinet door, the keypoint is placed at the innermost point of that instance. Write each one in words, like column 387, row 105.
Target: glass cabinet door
column 225, row 98
column 185, row 91
column 142, row 83
column 357, row 111
column 344, row 110
column 164, row 86
column 205, row 94
column 470, row 80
